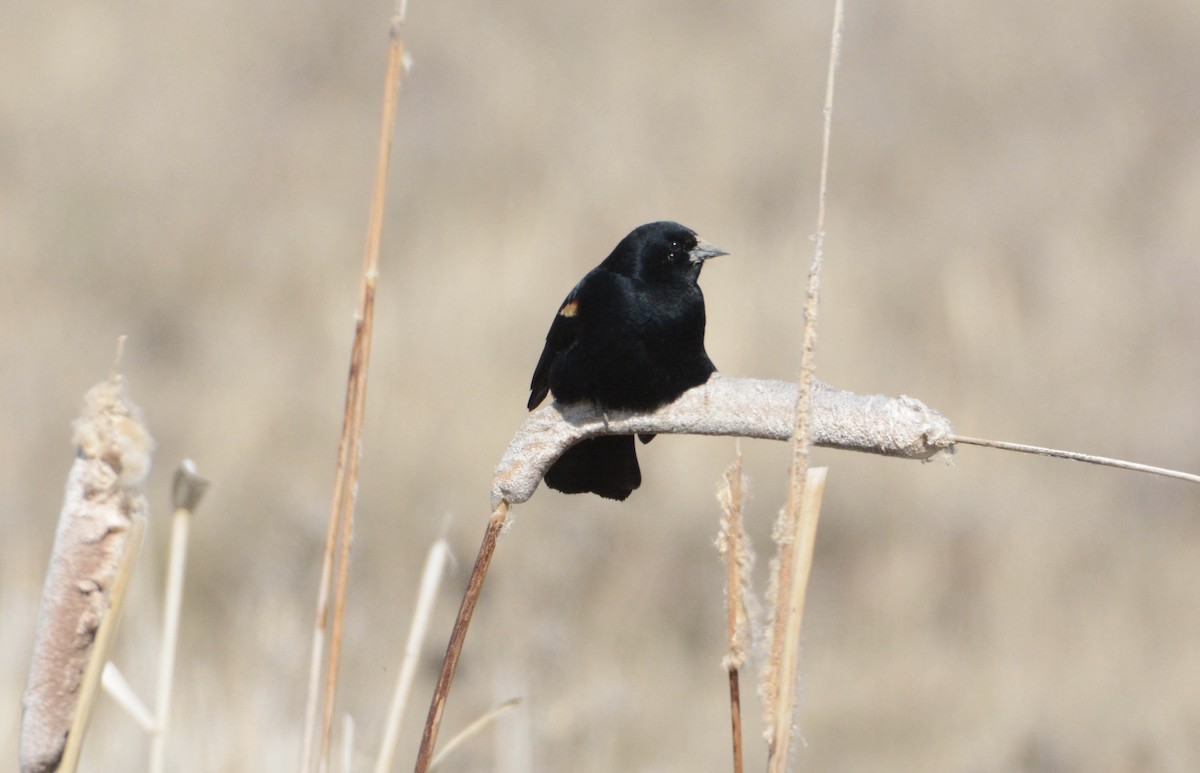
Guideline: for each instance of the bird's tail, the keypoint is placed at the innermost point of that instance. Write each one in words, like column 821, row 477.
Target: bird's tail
column 605, row 465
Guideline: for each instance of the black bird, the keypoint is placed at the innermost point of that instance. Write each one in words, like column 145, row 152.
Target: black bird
column 630, row 336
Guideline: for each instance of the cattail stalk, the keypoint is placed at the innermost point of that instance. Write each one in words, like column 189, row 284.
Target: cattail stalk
column 96, row 545
column 734, row 546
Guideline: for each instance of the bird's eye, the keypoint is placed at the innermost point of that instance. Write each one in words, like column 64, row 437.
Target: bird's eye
column 674, row 251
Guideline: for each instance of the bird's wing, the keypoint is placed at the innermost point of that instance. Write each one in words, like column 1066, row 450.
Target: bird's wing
column 560, row 337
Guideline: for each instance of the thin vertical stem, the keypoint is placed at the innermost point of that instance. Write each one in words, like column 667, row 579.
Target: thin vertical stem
column 431, row 577
column 779, row 697
column 788, row 627
column 735, row 711
column 186, row 492
column 734, row 546
column 341, row 518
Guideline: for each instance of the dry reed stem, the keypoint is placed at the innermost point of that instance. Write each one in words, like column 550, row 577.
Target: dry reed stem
column 431, row 578
column 341, row 518
column 187, row 489
column 734, row 546
column 793, row 589
column 347, row 743
column 122, row 693
column 735, row 711
column 778, row 686
column 472, row 730
column 1075, row 456
column 457, row 635
column 96, row 544
column 357, row 384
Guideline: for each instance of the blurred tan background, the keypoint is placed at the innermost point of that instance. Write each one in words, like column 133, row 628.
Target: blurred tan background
column 1012, row 237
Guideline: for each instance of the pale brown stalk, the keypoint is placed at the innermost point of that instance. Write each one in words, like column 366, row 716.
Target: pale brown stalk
column 793, row 590
column 792, row 569
column 734, row 546
column 472, row 730
column 122, row 693
column 431, row 579
column 341, row 516
column 1075, row 456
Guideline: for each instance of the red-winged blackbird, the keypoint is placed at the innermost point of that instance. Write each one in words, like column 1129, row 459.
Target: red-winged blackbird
column 629, row 336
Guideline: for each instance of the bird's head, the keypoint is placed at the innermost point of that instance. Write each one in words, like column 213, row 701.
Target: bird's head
column 662, row 251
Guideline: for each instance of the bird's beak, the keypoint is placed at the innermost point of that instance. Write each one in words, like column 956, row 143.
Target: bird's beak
column 703, row 251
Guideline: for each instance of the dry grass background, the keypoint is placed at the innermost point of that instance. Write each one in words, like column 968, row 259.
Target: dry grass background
column 1013, row 237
